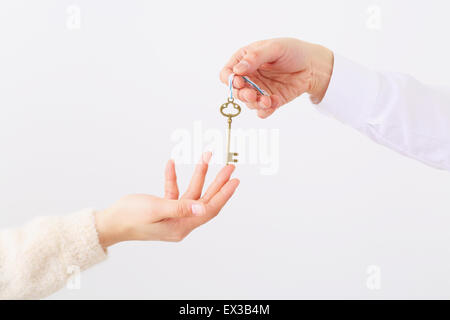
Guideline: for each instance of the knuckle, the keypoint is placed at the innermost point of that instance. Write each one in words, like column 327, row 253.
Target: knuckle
column 151, row 210
column 171, row 193
column 252, row 55
column 242, row 52
column 182, row 209
column 276, row 46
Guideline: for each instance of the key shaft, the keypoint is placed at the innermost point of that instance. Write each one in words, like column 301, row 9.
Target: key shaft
column 230, row 155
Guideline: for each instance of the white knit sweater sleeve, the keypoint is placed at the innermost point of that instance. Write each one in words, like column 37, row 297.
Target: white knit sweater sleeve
column 38, row 259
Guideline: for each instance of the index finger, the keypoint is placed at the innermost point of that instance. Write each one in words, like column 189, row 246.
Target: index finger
column 228, row 68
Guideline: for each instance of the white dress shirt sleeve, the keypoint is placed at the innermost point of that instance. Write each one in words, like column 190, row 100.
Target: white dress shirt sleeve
column 392, row 109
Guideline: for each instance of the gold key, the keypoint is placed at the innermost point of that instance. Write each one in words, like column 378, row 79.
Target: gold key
column 235, row 110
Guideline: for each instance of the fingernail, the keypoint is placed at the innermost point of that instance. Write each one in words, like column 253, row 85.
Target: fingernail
column 241, row 67
column 198, row 209
column 206, row 157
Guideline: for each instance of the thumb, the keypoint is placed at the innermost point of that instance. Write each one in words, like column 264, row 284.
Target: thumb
column 165, row 208
column 257, row 55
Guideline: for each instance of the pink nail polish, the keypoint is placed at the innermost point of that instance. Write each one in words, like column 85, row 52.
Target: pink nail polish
column 241, row 67
column 206, row 157
column 198, row 209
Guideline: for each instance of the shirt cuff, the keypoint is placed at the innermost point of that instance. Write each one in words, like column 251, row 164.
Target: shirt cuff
column 352, row 92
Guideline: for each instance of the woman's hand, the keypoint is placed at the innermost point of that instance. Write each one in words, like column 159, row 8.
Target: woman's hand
column 146, row 217
column 285, row 68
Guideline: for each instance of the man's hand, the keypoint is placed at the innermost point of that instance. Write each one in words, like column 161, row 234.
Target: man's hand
column 285, row 68
column 146, row 217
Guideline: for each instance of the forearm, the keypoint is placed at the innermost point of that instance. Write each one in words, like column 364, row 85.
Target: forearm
column 36, row 260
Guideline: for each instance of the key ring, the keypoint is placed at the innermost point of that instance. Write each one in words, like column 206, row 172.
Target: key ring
column 254, row 85
column 235, row 111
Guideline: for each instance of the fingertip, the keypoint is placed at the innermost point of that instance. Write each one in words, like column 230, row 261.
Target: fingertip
column 206, row 157
column 264, row 102
column 170, row 166
column 229, row 169
column 224, row 74
column 264, row 113
column 260, row 113
column 241, row 67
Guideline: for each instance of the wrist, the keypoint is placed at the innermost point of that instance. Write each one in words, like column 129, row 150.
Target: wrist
column 321, row 71
column 106, row 230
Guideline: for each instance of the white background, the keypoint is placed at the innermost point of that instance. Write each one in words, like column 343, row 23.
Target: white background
column 86, row 116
